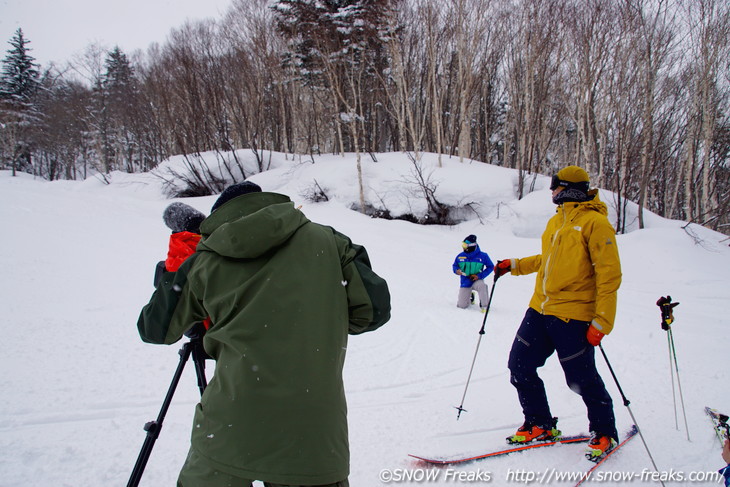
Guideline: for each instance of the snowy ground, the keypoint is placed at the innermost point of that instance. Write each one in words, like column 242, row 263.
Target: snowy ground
column 78, row 385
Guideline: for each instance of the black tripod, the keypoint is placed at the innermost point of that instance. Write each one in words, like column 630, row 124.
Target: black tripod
column 195, row 348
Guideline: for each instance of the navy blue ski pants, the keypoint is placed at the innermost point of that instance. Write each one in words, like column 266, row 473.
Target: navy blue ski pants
column 537, row 338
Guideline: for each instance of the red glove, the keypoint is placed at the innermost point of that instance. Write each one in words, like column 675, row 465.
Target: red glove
column 502, row 268
column 594, row 336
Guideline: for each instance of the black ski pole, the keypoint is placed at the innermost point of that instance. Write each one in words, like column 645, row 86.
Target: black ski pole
column 460, row 408
column 194, row 346
column 627, row 403
column 666, row 306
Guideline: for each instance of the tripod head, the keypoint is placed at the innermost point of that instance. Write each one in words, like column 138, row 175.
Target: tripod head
column 196, row 332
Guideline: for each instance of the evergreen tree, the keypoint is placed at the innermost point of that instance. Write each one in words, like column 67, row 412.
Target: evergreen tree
column 350, row 33
column 339, row 45
column 118, row 113
column 119, row 81
column 19, row 83
column 20, row 76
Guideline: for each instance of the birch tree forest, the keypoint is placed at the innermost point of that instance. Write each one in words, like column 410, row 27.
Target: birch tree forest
column 635, row 91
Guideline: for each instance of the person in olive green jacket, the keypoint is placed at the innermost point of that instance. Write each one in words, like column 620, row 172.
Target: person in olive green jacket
column 282, row 294
column 572, row 309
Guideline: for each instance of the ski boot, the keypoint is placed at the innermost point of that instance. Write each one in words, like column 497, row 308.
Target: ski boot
column 529, row 433
column 599, row 447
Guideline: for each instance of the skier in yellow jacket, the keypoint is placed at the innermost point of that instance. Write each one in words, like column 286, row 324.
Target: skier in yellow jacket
column 572, row 309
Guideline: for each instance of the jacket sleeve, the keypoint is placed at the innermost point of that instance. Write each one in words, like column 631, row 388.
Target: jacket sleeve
column 455, row 267
column 607, row 267
column 488, row 266
column 367, row 293
column 526, row 265
column 172, row 309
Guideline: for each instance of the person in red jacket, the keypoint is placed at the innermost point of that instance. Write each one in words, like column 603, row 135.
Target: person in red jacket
column 184, row 221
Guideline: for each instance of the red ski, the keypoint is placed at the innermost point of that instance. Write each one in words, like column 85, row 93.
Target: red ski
column 530, row 446
column 634, row 430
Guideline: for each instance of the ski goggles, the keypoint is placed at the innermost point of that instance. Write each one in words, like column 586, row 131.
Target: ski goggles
column 468, row 246
column 556, row 182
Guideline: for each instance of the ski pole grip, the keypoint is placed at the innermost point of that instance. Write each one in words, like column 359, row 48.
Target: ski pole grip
column 666, row 306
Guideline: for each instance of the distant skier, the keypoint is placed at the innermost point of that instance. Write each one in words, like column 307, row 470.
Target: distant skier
column 473, row 266
column 572, row 308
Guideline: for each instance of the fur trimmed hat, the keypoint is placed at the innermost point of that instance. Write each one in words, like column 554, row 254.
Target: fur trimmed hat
column 234, row 191
column 180, row 217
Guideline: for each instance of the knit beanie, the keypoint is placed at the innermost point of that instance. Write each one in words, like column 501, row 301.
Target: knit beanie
column 575, row 183
column 234, row 191
column 180, row 217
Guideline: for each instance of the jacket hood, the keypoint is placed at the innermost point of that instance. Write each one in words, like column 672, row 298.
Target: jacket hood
column 594, row 204
column 250, row 225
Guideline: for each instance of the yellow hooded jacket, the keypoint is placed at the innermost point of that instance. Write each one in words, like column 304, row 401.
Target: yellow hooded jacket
column 579, row 271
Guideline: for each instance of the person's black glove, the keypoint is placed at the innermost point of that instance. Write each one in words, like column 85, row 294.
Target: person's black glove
column 196, row 331
column 160, row 269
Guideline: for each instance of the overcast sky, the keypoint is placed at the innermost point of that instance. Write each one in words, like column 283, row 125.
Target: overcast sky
column 60, row 29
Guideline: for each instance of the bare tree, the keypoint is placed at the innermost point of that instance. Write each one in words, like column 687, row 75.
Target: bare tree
column 532, row 74
column 709, row 31
column 655, row 39
column 592, row 34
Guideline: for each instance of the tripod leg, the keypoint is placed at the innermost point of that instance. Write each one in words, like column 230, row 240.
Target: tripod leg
column 199, row 356
column 153, row 427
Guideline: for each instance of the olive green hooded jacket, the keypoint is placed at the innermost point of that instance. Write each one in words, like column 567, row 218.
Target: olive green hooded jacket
column 282, row 293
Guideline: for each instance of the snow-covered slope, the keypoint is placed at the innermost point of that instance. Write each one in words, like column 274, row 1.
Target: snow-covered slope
column 78, row 385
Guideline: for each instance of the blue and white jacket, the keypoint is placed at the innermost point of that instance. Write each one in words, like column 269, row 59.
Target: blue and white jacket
column 474, row 262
